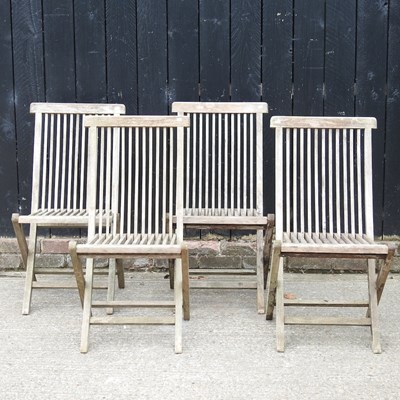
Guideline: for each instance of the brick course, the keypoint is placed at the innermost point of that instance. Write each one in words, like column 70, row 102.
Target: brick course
column 213, row 252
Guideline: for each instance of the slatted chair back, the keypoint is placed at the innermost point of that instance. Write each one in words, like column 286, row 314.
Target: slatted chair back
column 323, row 177
column 60, row 155
column 223, row 158
column 135, row 175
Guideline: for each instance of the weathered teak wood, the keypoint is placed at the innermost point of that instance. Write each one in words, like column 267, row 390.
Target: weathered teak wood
column 223, row 177
column 58, row 181
column 323, row 208
column 135, row 179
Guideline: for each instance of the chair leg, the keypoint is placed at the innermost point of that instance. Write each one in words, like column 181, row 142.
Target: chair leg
column 260, row 272
column 171, row 269
column 111, row 284
column 87, row 306
column 373, row 307
column 268, row 245
column 272, row 279
column 384, row 271
column 185, row 283
column 280, row 311
column 21, row 239
column 120, row 273
column 119, row 265
column 178, row 306
column 78, row 271
column 30, row 267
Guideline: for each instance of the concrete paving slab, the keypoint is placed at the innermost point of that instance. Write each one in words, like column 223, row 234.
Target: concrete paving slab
column 229, row 350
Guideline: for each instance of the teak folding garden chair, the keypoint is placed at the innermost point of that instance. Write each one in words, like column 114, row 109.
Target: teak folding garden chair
column 58, row 181
column 224, row 179
column 135, row 180
column 324, row 209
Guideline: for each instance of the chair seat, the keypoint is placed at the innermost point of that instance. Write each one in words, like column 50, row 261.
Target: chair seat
column 59, row 216
column 324, row 243
column 223, row 216
column 109, row 244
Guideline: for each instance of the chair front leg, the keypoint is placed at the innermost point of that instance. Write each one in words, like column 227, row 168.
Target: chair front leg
column 269, row 233
column 185, row 283
column 78, row 271
column 21, row 239
column 272, row 279
column 120, row 273
column 373, row 307
column 280, row 311
column 178, row 306
column 384, row 271
column 30, row 268
column 87, row 306
column 111, row 283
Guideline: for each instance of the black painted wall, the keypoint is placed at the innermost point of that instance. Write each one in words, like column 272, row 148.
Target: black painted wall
column 303, row 57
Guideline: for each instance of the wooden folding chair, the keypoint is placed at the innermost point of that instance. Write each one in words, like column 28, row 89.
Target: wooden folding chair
column 324, row 209
column 224, row 180
column 58, row 181
column 135, row 180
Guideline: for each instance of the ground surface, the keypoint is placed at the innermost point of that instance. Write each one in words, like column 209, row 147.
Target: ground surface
column 229, row 350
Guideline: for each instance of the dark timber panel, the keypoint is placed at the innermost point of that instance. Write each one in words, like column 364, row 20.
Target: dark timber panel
column 391, row 208
column 152, row 56
column 58, row 32
column 29, row 86
column 183, row 51
column 8, row 164
column 277, row 56
column 245, row 50
column 214, row 50
column 277, row 81
column 371, row 81
column 318, row 57
column 90, row 51
column 309, row 23
column 340, row 57
column 121, row 53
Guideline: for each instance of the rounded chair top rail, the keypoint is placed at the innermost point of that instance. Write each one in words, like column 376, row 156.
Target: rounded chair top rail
column 136, row 121
column 220, row 107
column 77, row 108
column 323, row 122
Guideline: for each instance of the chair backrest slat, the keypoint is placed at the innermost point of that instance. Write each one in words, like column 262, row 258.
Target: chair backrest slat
column 323, row 175
column 138, row 175
column 223, row 156
column 59, row 166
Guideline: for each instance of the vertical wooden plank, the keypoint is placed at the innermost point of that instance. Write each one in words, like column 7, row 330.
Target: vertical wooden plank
column 340, row 57
column 121, row 53
column 246, row 50
column 29, row 86
column 58, row 33
column 371, row 86
column 152, row 56
column 183, row 50
column 391, row 223
column 277, row 56
column 214, row 50
column 308, row 68
column 90, row 51
column 276, row 79
column 8, row 166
